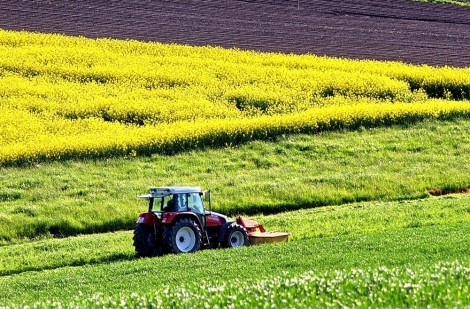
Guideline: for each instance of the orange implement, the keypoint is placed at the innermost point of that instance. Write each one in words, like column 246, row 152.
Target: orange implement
column 257, row 238
column 257, row 233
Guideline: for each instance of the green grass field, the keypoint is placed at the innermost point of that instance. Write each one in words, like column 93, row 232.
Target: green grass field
column 297, row 171
column 415, row 236
column 378, row 211
column 356, row 218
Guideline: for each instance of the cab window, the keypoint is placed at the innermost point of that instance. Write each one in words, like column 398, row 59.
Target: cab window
column 190, row 202
column 195, row 203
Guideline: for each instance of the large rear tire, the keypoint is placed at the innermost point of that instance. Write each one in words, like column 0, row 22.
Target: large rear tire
column 145, row 241
column 183, row 237
column 235, row 236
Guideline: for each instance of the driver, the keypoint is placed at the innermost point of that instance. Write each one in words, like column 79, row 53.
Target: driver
column 169, row 206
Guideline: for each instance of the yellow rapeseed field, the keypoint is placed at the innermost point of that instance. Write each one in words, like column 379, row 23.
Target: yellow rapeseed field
column 67, row 97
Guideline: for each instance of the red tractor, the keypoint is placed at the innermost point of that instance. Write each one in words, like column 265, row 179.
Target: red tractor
column 176, row 221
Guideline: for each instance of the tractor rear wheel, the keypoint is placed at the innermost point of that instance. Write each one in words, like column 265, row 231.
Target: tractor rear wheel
column 183, row 237
column 145, row 241
column 235, row 236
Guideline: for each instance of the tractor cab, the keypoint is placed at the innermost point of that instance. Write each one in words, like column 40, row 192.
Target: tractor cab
column 175, row 199
column 169, row 203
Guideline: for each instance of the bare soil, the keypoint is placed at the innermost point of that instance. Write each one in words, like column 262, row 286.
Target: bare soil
column 401, row 30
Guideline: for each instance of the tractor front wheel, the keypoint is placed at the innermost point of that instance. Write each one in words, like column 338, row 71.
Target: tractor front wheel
column 183, row 237
column 235, row 236
column 145, row 241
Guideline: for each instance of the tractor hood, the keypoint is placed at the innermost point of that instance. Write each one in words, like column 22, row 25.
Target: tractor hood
column 216, row 216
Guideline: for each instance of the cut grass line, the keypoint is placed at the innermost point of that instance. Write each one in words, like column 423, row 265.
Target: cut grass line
column 411, row 247
column 354, row 219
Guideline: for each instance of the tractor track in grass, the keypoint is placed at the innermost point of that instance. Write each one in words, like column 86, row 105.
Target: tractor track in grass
column 412, row 32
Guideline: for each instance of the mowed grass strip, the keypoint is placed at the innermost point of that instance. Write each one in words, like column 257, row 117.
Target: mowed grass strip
column 293, row 172
column 410, row 247
column 354, row 219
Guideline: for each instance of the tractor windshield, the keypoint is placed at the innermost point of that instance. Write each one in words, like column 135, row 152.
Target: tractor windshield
column 190, row 202
column 195, row 203
column 180, row 202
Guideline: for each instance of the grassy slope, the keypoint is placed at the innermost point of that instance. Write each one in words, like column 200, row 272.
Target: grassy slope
column 329, row 221
column 365, row 235
column 413, row 247
column 295, row 172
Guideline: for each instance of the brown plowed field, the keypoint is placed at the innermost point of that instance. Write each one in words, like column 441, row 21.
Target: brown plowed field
column 372, row 29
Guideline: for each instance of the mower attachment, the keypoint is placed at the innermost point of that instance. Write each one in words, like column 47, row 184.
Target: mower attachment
column 257, row 233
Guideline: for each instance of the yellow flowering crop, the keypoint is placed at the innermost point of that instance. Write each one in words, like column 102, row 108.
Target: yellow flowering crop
column 67, row 97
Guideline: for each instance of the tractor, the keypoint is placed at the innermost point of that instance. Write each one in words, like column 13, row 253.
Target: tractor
column 178, row 222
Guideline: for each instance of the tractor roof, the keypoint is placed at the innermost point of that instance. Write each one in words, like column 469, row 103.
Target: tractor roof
column 165, row 191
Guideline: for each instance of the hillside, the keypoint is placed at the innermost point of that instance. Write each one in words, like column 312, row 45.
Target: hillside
column 364, row 162
column 413, row 253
